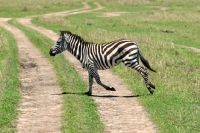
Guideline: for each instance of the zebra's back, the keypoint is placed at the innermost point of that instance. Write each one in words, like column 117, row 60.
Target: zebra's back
column 110, row 54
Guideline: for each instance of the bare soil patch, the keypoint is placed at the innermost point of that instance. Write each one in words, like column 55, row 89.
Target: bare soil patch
column 196, row 50
column 113, row 14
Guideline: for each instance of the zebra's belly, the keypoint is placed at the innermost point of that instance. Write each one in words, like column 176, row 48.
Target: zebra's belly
column 101, row 65
column 108, row 65
column 98, row 68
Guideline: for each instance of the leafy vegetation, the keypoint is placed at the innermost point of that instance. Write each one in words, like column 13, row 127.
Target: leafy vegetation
column 9, row 82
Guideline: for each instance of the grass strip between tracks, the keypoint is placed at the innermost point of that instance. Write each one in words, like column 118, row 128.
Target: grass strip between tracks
column 79, row 111
column 9, row 82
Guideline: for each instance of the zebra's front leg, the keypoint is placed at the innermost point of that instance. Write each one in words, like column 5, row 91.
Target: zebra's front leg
column 95, row 74
column 89, row 93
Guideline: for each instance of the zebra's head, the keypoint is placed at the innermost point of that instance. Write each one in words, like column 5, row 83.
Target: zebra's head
column 60, row 45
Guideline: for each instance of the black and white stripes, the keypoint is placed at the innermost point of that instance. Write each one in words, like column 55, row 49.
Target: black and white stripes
column 95, row 57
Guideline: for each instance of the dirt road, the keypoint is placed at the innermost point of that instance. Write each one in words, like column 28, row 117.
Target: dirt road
column 41, row 112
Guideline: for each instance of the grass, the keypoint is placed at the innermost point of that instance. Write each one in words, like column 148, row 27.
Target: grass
column 9, row 82
column 79, row 111
column 20, row 8
column 175, row 105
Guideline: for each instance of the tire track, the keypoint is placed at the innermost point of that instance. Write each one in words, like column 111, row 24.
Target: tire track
column 119, row 111
column 40, row 111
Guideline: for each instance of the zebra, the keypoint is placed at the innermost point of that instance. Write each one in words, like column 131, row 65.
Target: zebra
column 95, row 57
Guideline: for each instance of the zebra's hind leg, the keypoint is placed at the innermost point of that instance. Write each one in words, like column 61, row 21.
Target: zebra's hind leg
column 94, row 73
column 143, row 71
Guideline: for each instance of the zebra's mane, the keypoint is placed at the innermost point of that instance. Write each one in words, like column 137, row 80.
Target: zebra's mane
column 75, row 35
column 80, row 38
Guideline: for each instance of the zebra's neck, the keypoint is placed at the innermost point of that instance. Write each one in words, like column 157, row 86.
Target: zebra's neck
column 77, row 47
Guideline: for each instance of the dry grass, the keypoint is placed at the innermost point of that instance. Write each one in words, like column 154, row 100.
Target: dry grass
column 125, row 2
column 34, row 3
column 20, row 8
column 55, row 20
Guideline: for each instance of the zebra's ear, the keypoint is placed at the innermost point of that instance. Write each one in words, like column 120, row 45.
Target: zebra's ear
column 61, row 33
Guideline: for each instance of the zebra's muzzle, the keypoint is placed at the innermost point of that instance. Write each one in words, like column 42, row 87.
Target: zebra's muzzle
column 52, row 53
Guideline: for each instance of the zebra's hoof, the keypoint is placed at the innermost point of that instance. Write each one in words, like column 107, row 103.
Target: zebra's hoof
column 152, row 86
column 88, row 93
column 110, row 89
column 151, row 91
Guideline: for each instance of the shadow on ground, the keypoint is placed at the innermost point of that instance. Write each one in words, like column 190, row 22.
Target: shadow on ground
column 103, row 96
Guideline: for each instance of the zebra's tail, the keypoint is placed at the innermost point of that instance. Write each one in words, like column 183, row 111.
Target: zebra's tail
column 144, row 61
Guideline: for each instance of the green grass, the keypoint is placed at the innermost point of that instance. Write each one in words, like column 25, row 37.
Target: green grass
column 175, row 106
column 9, row 82
column 79, row 111
column 21, row 8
